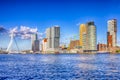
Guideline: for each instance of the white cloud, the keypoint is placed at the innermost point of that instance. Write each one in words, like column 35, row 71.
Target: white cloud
column 25, row 32
column 26, row 36
column 2, row 29
column 14, row 30
column 78, row 24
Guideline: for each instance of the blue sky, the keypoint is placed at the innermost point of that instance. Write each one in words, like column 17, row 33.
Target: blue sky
column 65, row 13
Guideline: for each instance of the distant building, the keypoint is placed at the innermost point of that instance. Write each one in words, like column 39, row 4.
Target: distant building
column 63, row 46
column 35, row 43
column 82, row 32
column 53, row 38
column 102, row 47
column 89, row 38
column 112, row 33
column 48, row 36
column 44, row 45
column 74, row 44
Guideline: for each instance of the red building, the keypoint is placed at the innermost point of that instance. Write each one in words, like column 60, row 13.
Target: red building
column 102, row 47
column 109, row 40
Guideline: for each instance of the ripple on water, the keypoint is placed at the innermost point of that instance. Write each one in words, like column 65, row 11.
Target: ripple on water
column 60, row 67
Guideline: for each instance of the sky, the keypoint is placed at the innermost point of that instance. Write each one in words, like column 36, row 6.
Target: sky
column 29, row 16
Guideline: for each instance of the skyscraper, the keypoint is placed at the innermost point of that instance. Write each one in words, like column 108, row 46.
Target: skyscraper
column 89, row 38
column 111, row 34
column 53, row 38
column 44, row 45
column 35, row 43
column 48, row 36
column 82, row 32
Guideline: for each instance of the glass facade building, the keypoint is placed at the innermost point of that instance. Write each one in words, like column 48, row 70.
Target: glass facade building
column 88, row 38
column 53, row 38
column 112, row 33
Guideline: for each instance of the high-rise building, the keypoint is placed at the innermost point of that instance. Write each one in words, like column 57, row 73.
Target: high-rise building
column 44, row 45
column 48, row 36
column 82, row 32
column 35, row 43
column 84, row 41
column 53, row 38
column 112, row 33
column 89, row 38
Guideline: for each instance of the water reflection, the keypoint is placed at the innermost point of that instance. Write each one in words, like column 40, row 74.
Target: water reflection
column 85, row 66
column 60, row 67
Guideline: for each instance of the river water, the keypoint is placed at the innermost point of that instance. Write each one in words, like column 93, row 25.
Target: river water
column 59, row 67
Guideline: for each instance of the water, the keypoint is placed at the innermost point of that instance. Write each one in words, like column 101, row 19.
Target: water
column 59, row 67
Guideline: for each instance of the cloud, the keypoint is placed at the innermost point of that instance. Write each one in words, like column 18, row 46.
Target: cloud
column 14, row 30
column 2, row 29
column 78, row 24
column 25, row 32
column 26, row 36
column 41, row 35
column 28, row 30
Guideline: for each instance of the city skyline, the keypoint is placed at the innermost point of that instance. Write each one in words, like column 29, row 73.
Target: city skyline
column 68, row 15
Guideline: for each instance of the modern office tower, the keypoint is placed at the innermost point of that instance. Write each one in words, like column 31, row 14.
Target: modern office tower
column 53, row 38
column 82, row 32
column 89, row 38
column 84, row 41
column 48, row 36
column 112, row 33
column 35, row 43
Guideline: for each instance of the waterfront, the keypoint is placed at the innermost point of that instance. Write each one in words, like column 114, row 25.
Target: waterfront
column 59, row 66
